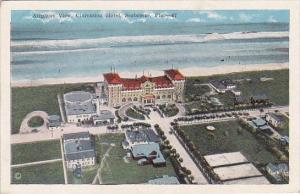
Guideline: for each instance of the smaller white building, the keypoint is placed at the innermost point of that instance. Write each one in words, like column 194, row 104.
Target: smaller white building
column 274, row 119
column 78, row 150
column 53, row 122
column 105, row 117
column 80, row 106
column 221, row 86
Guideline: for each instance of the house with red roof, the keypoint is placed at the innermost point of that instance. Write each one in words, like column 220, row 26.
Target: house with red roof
column 146, row 90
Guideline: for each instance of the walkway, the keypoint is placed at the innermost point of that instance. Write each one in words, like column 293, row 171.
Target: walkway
column 64, row 162
column 61, row 108
column 98, row 175
column 35, row 163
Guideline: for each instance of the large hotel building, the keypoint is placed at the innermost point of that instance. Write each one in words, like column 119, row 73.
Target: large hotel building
column 146, row 90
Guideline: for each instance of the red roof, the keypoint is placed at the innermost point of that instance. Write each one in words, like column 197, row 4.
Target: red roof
column 174, row 74
column 112, row 78
column 135, row 84
column 162, row 82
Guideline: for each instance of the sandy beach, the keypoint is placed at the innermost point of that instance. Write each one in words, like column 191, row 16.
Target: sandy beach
column 198, row 71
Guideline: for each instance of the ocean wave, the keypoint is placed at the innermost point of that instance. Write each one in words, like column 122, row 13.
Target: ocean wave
column 120, row 41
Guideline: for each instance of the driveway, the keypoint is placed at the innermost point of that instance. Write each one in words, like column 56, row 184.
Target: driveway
column 24, row 128
column 164, row 123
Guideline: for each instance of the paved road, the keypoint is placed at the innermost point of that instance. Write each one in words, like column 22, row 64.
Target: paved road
column 35, row 163
column 56, row 133
column 164, row 123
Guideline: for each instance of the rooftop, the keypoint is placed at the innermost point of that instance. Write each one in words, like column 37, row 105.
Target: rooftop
column 165, row 180
column 259, row 122
column 53, row 118
column 104, row 115
column 112, row 78
column 74, row 136
column 146, row 150
column 142, row 135
column 260, row 97
column 225, row 159
column 77, row 96
column 78, row 149
column 222, row 84
column 77, row 108
column 174, row 74
column 164, row 81
column 237, row 171
column 275, row 116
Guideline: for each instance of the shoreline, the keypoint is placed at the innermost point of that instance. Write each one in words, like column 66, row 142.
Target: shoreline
column 188, row 72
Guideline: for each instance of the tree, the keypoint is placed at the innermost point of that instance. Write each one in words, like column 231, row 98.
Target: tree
column 188, row 172
column 191, row 177
column 180, row 160
column 167, row 142
column 173, row 150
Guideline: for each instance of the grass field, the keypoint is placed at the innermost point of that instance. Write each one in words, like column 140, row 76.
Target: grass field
column 169, row 110
column 277, row 90
column 117, row 171
column 226, row 138
column 88, row 175
column 44, row 98
column 36, row 121
column 51, row 173
column 134, row 114
column 194, row 90
column 38, row 151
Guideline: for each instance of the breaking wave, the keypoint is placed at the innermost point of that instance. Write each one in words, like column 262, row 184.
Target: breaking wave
column 121, row 41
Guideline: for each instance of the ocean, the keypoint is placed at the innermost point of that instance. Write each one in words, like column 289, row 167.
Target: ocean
column 62, row 50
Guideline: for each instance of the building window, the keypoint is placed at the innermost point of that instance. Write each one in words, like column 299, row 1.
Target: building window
column 129, row 99
column 169, row 96
column 157, row 97
column 135, row 99
column 124, row 100
column 163, row 96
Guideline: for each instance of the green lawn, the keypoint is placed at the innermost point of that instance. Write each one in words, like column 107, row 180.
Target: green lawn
column 88, row 174
column 36, row 121
column 38, row 151
column 193, row 89
column 51, row 173
column 277, row 90
column 169, row 110
column 227, row 139
column 134, row 114
column 44, row 98
column 226, row 99
column 116, row 171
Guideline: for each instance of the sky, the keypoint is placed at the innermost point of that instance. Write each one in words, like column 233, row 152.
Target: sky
column 205, row 17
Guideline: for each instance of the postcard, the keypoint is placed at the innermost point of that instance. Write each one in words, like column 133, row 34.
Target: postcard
column 196, row 97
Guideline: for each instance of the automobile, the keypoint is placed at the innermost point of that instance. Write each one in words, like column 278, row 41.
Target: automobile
column 170, row 132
